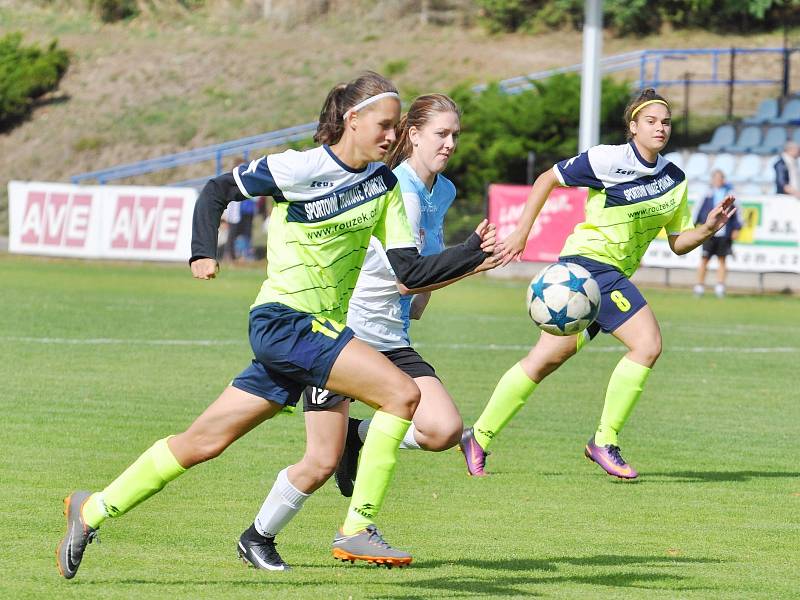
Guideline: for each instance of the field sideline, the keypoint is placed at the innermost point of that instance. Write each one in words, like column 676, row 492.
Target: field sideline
column 102, row 359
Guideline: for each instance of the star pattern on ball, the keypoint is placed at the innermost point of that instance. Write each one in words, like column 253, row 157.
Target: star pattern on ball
column 559, row 318
column 538, row 287
column 575, row 283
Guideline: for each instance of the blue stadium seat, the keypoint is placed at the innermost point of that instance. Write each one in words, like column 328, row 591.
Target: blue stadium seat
column 796, row 136
column 725, row 163
column 767, row 111
column 767, row 173
column 697, row 166
column 750, row 137
column 790, row 114
column 724, row 136
column 773, row 142
column 748, row 169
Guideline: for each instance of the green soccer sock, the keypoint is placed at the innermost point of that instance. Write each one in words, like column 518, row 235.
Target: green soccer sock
column 509, row 396
column 624, row 389
column 375, row 469
column 151, row 472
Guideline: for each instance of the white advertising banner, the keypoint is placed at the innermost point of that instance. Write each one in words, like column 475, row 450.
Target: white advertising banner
column 769, row 241
column 125, row 222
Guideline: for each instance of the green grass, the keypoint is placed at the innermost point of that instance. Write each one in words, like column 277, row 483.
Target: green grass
column 714, row 514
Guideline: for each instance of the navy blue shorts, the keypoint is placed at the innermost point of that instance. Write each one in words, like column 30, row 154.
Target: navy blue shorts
column 292, row 350
column 620, row 299
column 407, row 360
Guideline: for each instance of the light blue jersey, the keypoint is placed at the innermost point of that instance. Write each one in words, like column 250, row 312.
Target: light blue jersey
column 378, row 314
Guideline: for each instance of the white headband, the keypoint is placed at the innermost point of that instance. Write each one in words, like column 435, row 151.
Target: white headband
column 369, row 101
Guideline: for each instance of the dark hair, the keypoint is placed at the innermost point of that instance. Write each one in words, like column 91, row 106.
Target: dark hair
column 343, row 97
column 421, row 111
column 646, row 95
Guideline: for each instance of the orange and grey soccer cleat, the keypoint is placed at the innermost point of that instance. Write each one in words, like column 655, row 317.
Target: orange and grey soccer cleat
column 368, row 545
column 70, row 551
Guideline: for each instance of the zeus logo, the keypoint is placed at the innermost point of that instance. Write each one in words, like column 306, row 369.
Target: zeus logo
column 321, row 184
column 623, row 172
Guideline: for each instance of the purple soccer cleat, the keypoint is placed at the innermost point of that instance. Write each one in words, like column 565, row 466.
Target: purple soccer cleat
column 609, row 458
column 473, row 453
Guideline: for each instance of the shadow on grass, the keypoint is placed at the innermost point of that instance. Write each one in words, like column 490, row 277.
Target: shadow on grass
column 732, row 476
column 504, row 577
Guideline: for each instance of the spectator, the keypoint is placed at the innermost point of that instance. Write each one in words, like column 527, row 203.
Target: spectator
column 239, row 219
column 721, row 242
column 787, row 172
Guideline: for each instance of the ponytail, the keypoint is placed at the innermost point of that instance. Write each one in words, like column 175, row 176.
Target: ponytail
column 344, row 97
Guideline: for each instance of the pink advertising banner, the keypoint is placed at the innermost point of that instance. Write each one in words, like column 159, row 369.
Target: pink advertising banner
column 562, row 211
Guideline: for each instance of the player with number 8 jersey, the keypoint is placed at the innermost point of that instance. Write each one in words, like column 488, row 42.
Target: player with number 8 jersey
column 634, row 193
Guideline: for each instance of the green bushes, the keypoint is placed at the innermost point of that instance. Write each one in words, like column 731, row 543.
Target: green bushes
column 499, row 130
column 642, row 17
column 111, row 11
column 26, row 73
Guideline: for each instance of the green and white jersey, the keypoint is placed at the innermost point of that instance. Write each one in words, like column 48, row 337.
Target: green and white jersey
column 630, row 200
column 322, row 219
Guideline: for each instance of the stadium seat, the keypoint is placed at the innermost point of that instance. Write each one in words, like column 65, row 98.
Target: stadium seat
column 766, row 175
column 724, row 135
column 750, row 137
column 790, row 114
column 676, row 158
column 767, row 111
column 748, row 169
column 697, row 166
column 773, row 142
column 796, row 136
column 723, row 162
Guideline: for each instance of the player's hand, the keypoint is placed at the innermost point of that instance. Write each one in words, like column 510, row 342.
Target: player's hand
column 486, row 231
column 205, row 268
column 720, row 214
column 512, row 246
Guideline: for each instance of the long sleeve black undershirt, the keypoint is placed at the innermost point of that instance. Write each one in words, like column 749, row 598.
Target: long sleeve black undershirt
column 416, row 271
column 212, row 201
column 411, row 269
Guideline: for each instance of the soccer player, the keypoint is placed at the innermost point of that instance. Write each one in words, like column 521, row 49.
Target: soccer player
column 329, row 201
column 379, row 315
column 633, row 193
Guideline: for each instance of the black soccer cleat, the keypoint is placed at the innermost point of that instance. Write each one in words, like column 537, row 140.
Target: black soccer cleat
column 346, row 470
column 259, row 551
column 70, row 551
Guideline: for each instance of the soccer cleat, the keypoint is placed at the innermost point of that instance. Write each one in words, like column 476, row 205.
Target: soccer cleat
column 70, row 551
column 368, row 545
column 609, row 458
column 259, row 551
column 474, row 454
column 345, row 474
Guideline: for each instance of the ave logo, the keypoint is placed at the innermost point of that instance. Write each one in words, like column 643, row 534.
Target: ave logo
column 56, row 219
column 146, row 222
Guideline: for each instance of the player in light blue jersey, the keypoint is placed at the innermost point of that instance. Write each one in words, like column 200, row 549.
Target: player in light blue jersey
column 634, row 193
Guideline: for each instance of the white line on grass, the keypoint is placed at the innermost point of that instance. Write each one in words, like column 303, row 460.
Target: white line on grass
column 445, row 346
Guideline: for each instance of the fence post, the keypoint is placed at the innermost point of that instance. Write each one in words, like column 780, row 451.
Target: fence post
column 529, row 167
column 731, row 79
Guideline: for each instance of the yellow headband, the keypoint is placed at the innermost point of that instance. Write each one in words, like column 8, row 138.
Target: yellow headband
column 643, row 104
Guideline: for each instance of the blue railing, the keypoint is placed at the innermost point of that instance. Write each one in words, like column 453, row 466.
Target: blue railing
column 649, row 63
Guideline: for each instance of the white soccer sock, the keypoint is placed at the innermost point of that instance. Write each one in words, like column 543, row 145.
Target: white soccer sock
column 409, row 440
column 363, row 428
column 282, row 504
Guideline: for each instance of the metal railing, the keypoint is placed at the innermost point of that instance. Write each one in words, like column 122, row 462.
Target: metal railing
column 649, row 63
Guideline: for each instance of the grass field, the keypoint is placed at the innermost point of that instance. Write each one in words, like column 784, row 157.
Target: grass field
column 100, row 360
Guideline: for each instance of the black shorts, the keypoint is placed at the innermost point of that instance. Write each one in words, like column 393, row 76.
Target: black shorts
column 717, row 246
column 407, row 360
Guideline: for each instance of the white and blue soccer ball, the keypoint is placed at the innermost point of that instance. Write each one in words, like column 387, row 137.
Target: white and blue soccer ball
column 563, row 299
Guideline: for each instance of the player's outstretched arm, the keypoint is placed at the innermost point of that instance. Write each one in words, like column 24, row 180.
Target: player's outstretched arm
column 716, row 220
column 514, row 244
column 212, row 201
column 416, row 273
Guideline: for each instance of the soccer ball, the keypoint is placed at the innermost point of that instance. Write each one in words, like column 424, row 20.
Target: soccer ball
column 563, row 299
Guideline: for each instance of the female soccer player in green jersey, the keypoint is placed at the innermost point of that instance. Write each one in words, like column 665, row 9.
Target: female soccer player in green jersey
column 633, row 193
column 329, row 202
